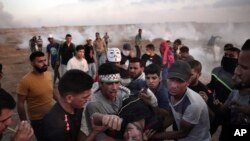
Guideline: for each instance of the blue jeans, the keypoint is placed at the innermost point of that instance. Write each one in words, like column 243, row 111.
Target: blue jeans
column 37, row 126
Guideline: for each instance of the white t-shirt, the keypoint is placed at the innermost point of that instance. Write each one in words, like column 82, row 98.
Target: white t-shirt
column 75, row 63
column 192, row 108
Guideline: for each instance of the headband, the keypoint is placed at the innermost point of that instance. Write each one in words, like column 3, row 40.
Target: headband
column 110, row 78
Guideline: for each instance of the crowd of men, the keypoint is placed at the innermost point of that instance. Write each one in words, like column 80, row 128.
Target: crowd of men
column 109, row 94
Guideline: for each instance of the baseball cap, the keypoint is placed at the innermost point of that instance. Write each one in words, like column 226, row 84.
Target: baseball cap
column 50, row 36
column 180, row 69
column 88, row 39
column 127, row 46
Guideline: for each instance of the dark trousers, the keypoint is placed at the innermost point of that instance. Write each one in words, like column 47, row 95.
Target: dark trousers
column 138, row 51
column 37, row 126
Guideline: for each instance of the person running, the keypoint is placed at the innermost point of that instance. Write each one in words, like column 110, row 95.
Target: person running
column 100, row 48
column 138, row 43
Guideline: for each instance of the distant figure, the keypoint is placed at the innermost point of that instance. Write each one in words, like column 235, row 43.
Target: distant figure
column 39, row 42
column 52, row 53
column 176, row 46
column 32, row 44
column 66, row 52
column 126, row 55
column 138, row 45
column 90, row 57
column 212, row 47
column 184, row 54
column 106, row 38
column 100, row 48
column 150, row 57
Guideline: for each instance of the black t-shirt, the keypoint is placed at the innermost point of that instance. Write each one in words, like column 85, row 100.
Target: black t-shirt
column 61, row 126
column 124, row 59
column 87, row 49
column 66, row 52
column 156, row 59
column 201, row 87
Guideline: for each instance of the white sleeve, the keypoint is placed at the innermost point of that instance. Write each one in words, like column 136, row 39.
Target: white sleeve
column 86, row 66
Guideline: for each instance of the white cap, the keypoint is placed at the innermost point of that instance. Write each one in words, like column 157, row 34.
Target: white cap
column 114, row 55
column 50, row 36
column 88, row 39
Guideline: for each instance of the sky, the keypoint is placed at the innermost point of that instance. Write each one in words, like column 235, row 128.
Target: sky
column 37, row 13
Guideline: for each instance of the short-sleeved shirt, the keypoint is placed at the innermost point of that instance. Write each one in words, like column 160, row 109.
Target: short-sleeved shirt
column 66, row 52
column 60, row 125
column 38, row 90
column 237, row 117
column 75, row 63
column 52, row 49
column 192, row 109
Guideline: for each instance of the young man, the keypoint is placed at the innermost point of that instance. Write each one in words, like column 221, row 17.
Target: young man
column 153, row 82
column 187, row 107
column 184, row 54
column 63, row 121
column 237, row 102
column 66, row 52
column 7, row 105
column 221, row 83
column 100, row 48
column 90, row 57
column 52, row 53
column 150, row 57
column 136, row 68
column 39, row 42
column 36, row 89
column 126, row 55
column 108, row 98
column 138, row 45
column 78, row 61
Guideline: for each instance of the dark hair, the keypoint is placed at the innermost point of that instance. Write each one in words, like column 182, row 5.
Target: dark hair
column 137, row 60
column 177, row 42
column 79, row 47
column 184, row 49
column 108, row 68
column 75, row 82
column 228, row 46
column 68, row 35
column 196, row 65
column 153, row 69
column 246, row 46
column 6, row 101
column 150, row 46
column 1, row 68
column 234, row 49
column 35, row 54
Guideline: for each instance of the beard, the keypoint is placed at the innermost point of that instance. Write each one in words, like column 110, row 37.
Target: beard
column 42, row 69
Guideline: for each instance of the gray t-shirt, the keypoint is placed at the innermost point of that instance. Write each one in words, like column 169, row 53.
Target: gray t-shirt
column 192, row 109
column 100, row 104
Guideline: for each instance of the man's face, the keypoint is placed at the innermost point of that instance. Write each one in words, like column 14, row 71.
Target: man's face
column 80, row 53
column 231, row 54
column 79, row 100
column 176, row 86
column 132, row 133
column 109, row 90
column 152, row 81
column 242, row 71
column 149, row 51
column 135, row 70
column 40, row 64
column 97, row 35
column 194, row 77
column 5, row 119
column 68, row 39
column 51, row 40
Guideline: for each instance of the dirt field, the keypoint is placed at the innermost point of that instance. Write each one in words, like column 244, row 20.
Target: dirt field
column 16, row 64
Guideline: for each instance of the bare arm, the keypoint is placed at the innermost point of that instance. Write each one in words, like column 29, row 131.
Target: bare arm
column 21, row 108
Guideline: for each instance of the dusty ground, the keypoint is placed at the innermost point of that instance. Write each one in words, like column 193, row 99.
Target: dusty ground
column 15, row 60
